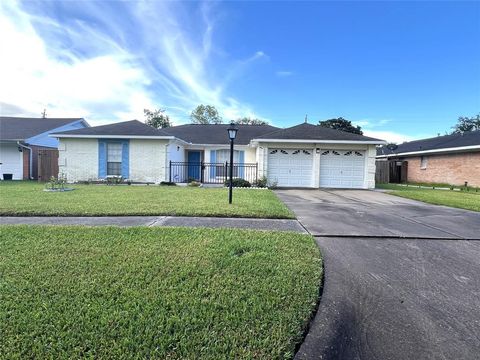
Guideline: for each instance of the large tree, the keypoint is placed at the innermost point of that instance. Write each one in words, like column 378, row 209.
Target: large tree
column 250, row 121
column 341, row 124
column 157, row 118
column 467, row 124
column 205, row 114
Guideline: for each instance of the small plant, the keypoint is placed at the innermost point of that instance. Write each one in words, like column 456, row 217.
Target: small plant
column 114, row 179
column 273, row 184
column 194, row 183
column 238, row 182
column 57, row 184
column 261, row 183
column 167, row 183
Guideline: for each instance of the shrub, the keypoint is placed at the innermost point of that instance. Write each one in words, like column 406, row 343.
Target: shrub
column 167, row 183
column 238, row 182
column 261, row 183
column 194, row 183
column 114, row 180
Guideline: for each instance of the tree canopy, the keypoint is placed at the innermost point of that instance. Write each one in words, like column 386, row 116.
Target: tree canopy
column 205, row 114
column 157, row 118
column 341, row 124
column 467, row 124
column 250, row 121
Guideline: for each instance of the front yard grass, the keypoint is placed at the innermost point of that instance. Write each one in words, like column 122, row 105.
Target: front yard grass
column 469, row 200
column 29, row 199
column 176, row 293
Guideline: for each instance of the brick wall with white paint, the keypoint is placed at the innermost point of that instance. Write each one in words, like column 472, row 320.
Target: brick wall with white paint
column 78, row 159
column 148, row 160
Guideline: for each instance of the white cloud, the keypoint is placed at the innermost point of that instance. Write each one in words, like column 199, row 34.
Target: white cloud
column 284, row 73
column 109, row 73
column 390, row 136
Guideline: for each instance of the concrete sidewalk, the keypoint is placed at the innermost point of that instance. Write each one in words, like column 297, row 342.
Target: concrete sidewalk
column 212, row 222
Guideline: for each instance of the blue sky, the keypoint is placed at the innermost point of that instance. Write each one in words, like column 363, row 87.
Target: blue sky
column 401, row 70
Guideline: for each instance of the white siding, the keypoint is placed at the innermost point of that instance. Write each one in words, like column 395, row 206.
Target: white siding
column 148, row 160
column 78, row 159
column 12, row 160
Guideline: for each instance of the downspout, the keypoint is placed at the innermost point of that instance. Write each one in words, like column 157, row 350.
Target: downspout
column 30, row 163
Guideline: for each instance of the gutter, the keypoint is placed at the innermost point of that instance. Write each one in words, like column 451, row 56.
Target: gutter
column 30, row 161
column 443, row 150
column 320, row 141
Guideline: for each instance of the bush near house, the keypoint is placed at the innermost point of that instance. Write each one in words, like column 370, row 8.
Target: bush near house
column 163, row 293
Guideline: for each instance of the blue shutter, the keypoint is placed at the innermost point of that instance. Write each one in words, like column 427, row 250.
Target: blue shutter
column 241, row 161
column 125, row 159
column 102, row 159
column 213, row 159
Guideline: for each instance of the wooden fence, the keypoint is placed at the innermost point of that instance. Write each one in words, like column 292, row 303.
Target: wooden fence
column 391, row 171
column 47, row 164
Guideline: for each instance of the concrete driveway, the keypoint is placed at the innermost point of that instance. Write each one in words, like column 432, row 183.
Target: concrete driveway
column 401, row 279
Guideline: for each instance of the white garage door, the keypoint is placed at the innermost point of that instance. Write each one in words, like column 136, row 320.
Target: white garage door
column 342, row 168
column 290, row 167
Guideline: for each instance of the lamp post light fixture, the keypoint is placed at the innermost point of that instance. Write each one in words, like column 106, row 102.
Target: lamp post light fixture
column 232, row 134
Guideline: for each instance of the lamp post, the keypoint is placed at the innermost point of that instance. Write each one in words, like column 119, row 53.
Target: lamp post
column 232, row 133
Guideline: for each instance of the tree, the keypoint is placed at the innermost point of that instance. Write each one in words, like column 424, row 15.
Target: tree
column 250, row 121
column 205, row 114
column 341, row 124
column 467, row 124
column 157, row 118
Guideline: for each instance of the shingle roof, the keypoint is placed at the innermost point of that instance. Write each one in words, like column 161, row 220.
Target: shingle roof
column 307, row 131
column 437, row 143
column 217, row 133
column 126, row 128
column 21, row 128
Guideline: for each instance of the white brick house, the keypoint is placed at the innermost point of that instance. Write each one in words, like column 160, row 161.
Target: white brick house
column 305, row 155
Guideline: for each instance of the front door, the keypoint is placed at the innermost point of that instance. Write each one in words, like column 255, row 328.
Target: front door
column 194, row 165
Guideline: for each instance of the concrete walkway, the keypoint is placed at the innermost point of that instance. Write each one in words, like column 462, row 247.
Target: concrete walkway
column 212, row 222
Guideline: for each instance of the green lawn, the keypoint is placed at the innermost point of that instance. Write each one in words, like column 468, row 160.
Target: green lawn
column 28, row 198
column 469, row 200
column 177, row 293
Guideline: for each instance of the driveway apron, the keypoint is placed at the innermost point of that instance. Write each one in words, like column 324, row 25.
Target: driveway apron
column 401, row 280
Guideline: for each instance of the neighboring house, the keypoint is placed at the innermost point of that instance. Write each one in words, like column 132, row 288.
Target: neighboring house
column 301, row 156
column 22, row 138
column 452, row 159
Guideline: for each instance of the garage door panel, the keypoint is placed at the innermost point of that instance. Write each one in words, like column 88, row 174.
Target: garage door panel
column 290, row 167
column 342, row 168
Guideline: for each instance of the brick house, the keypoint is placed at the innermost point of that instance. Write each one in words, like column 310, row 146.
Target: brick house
column 452, row 159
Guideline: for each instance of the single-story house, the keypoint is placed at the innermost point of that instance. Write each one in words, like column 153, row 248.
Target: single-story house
column 305, row 155
column 21, row 139
column 453, row 159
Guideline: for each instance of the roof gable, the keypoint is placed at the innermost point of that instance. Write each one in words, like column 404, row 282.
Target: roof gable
column 124, row 129
column 21, row 128
column 319, row 133
column 215, row 134
column 438, row 143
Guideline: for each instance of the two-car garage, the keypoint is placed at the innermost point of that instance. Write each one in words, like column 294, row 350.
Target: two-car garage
column 289, row 167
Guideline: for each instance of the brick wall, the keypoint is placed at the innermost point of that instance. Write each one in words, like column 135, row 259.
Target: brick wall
column 453, row 169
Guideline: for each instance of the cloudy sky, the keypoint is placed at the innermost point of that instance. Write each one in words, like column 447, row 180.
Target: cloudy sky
column 401, row 70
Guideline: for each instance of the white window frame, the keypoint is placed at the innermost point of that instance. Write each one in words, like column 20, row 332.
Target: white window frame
column 423, row 162
column 109, row 144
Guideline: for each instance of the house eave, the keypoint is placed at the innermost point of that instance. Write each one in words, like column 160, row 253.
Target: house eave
column 75, row 136
column 435, row 151
column 319, row 141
